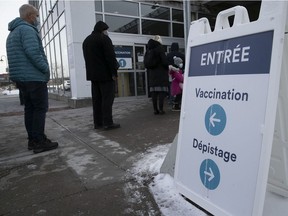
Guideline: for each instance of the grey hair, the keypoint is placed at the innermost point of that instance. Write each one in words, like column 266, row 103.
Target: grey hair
column 26, row 9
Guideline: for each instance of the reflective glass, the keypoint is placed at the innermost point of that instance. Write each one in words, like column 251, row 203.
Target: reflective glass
column 150, row 27
column 125, row 84
column 178, row 30
column 99, row 17
column 139, row 58
column 122, row 24
column 98, row 5
column 64, row 54
column 121, row 7
column 61, row 21
column 177, row 15
column 141, row 83
column 156, row 13
column 58, row 62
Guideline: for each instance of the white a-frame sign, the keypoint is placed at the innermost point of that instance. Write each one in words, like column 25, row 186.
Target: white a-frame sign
column 233, row 100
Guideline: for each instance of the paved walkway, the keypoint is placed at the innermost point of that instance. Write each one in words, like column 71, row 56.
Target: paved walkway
column 89, row 173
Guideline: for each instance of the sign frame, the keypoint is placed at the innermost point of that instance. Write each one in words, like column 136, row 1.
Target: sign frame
column 200, row 34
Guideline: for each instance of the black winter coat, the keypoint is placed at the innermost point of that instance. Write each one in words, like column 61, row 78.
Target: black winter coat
column 100, row 58
column 158, row 76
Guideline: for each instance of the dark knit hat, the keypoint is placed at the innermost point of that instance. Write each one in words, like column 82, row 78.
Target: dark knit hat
column 100, row 26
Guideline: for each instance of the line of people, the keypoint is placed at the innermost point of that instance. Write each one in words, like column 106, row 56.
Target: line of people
column 29, row 69
column 165, row 74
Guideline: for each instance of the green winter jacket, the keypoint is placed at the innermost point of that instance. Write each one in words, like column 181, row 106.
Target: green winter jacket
column 26, row 58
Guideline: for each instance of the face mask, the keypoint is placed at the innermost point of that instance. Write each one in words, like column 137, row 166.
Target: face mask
column 180, row 65
column 106, row 32
column 36, row 22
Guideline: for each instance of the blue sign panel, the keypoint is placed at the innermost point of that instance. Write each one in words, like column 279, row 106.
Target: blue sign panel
column 123, row 52
column 215, row 119
column 124, row 57
column 249, row 54
column 209, row 174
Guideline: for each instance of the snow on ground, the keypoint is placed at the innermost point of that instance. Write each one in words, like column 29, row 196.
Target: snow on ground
column 170, row 202
column 11, row 92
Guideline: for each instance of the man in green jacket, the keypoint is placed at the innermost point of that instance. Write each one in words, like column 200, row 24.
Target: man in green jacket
column 28, row 67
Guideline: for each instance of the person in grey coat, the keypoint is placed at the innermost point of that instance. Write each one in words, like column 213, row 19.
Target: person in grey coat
column 29, row 69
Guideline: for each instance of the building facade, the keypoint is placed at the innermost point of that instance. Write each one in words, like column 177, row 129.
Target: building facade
column 65, row 25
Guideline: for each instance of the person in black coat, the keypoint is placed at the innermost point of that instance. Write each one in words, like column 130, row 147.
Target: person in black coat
column 101, row 70
column 158, row 75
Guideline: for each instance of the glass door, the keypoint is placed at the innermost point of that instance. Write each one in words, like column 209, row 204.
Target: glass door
column 141, row 75
column 132, row 77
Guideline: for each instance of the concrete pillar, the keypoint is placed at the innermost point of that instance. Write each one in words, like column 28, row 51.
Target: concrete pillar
column 79, row 25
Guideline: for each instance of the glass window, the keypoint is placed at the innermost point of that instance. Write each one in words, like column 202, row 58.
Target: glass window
column 156, row 13
column 122, row 24
column 141, row 83
column 60, row 5
column 61, row 21
column 99, row 17
column 139, row 58
column 98, row 5
column 121, row 7
column 53, row 70
column 53, row 2
column 150, row 27
column 178, row 30
column 177, row 15
column 125, row 85
column 50, row 21
column 44, row 10
column 64, row 54
column 58, row 62
column 55, row 28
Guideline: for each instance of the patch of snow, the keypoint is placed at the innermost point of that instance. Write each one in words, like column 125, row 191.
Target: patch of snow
column 167, row 197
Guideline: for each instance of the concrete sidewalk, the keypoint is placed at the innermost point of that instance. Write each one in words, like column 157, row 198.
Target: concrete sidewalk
column 89, row 173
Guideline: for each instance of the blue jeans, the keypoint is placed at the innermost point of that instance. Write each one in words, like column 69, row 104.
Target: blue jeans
column 36, row 106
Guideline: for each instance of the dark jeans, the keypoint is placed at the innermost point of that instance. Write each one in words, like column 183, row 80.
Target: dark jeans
column 35, row 96
column 103, row 94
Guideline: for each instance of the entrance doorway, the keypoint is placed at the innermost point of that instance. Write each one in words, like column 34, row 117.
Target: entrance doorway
column 132, row 76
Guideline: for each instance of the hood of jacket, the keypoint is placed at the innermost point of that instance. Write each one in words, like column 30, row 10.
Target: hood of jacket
column 174, row 47
column 17, row 22
column 152, row 44
column 100, row 27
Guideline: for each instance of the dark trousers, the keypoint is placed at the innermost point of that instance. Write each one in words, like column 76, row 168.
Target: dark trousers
column 35, row 96
column 103, row 94
column 178, row 99
column 158, row 96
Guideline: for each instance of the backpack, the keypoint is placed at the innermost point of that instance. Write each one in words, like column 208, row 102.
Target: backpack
column 150, row 59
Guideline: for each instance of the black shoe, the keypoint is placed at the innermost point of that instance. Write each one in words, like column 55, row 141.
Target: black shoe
column 161, row 112
column 112, row 126
column 98, row 126
column 156, row 112
column 44, row 145
column 31, row 144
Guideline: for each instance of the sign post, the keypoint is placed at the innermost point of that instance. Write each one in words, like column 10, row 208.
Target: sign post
column 228, row 111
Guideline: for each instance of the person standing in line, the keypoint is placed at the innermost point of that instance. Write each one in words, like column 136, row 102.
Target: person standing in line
column 101, row 69
column 174, row 51
column 29, row 69
column 177, row 83
column 156, row 63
